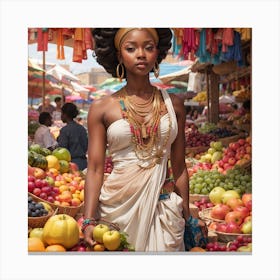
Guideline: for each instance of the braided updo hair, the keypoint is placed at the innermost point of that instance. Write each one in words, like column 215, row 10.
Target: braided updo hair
column 106, row 52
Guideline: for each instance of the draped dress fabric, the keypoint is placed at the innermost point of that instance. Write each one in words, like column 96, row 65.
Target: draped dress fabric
column 130, row 195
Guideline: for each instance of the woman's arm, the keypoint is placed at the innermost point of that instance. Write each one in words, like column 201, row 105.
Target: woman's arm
column 95, row 168
column 178, row 164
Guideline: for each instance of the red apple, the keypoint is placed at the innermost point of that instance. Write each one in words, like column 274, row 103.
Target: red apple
column 241, row 142
column 50, row 199
column 219, row 211
column 39, row 173
column 31, row 186
column 31, row 178
column 30, row 170
column 43, row 195
column 244, row 211
column 233, row 227
column 46, row 189
column 231, row 160
column 234, row 216
column 235, row 146
column 37, row 191
column 39, row 183
column 221, row 227
column 73, row 166
column 249, row 205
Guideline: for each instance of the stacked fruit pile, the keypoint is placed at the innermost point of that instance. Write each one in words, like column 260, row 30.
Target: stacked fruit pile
column 231, row 213
column 196, row 139
column 237, row 153
column 238, row 179
column 214, row 153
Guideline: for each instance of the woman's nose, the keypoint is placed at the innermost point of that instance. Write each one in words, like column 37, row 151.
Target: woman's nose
column 140, row 52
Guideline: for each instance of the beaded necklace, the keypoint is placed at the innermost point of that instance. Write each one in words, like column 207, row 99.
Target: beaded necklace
column 145, row 133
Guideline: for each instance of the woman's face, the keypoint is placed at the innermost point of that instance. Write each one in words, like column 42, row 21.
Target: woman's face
column 138, row 52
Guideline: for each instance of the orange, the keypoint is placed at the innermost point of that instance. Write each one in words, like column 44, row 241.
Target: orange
column 35, row 244
column 197, row 249
column 55, row 248
column 99, row 247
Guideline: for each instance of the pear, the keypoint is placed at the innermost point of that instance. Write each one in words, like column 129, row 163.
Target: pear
column 247, row 248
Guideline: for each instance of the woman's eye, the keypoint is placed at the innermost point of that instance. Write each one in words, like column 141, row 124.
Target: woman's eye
column 150, row 48
column 129, row 49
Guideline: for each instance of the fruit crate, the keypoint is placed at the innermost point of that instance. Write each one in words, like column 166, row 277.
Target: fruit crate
column 69, row 210
column 226, row 140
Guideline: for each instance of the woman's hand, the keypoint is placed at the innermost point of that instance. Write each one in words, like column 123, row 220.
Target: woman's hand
column 88, row 235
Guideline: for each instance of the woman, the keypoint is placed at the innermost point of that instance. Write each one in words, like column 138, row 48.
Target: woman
column 143, row 127
column 73, row 136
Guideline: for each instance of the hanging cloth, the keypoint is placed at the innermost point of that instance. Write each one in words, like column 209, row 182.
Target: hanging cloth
column 42, row 39
column 227, row 38
column 60, row 44
column 177, row 41
column 88, row 39
column 245, row 33
column 79, row 52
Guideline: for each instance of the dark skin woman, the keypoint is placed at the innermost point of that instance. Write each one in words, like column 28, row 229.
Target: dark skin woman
column 136, row 203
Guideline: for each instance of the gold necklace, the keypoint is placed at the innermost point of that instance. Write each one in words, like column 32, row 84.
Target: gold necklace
column 145, row 135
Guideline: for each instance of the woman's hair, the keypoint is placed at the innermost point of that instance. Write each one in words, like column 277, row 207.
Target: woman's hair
column 70, row 110
column 106, row 52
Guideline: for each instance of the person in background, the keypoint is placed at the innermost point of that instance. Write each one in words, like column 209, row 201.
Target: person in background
column 57, row 112
column 46, row 106
column 43, row 136
column 73, row 136
column 143, row 127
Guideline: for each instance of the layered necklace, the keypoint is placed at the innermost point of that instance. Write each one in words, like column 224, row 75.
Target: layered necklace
column 144, row 122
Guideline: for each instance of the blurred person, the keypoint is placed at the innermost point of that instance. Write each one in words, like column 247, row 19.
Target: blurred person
column 46, row 106
column 43, row 136
column 73, row 136
column 57, row 112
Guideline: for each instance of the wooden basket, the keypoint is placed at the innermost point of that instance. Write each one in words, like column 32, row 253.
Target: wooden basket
column 68, row 210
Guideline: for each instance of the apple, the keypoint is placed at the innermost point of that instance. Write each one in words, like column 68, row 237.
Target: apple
column 233, row 227
column 248, row 218
column 37, row 191
column 216, row 195
column 30, row 170
column 241, row 142
column 246, row 197
column 43, row 195
column 99, row 247
column 112, row 240
column 228, row 194
column 249, row 205
column 39, row 173
column 39, row 183
column 231, row 161
column 50, row 199
column 244, row 211
column 246, row 227
column 37, row 232
column 234, row 216
column 31, row 178
column 221, row 227
column 233, row 202
column 46, row 189
column 98, row 232
column 31, row 186
column 75, row 202
column 73, row 166
column 219, row 211
column 50, row 180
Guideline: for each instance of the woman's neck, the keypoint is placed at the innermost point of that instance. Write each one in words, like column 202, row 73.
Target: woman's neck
column 139, row 86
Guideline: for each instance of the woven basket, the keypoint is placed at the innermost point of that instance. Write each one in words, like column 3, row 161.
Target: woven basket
column 68, row 210
column 205, row 215
column 196, row 150
column 226, row 140
column 197, row 197
column 227, row 237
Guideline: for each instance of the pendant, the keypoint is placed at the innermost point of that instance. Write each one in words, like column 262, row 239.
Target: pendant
column 144, row 132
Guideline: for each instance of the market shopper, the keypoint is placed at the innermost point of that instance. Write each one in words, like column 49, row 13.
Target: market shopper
column 143, row 128
column 46, row 106
column 57, row 112
column 73, row 136
column 42, row 135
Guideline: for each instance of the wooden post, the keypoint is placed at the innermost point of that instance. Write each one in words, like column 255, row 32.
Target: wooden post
column 213, row 97
column 44, row 78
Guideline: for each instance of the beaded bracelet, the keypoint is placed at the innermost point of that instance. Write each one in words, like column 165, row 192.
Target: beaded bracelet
column 88, row 222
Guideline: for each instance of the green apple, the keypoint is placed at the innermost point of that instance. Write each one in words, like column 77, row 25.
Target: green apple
column 50, row 180
column 247, row 248
column 112, row 240
column 98, row 232
column 216, row 195
column 211, row 151
column 247, row 227
column 218, row 145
